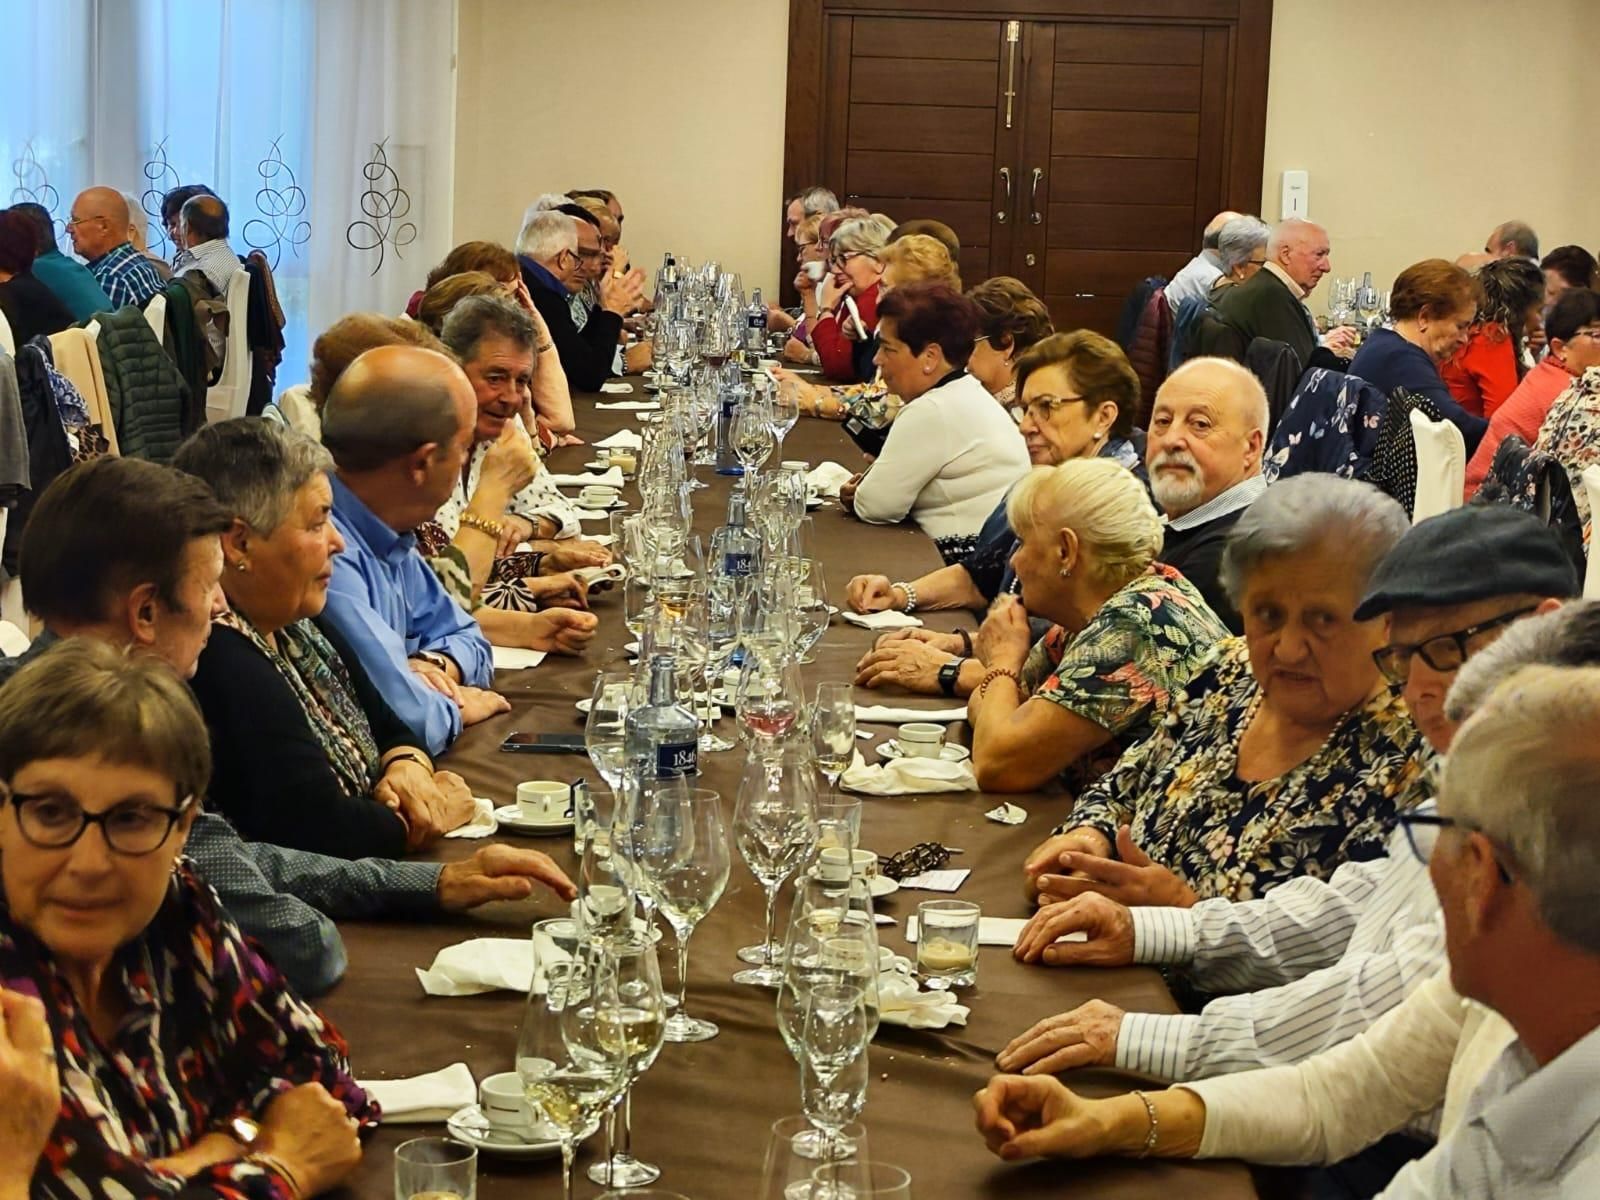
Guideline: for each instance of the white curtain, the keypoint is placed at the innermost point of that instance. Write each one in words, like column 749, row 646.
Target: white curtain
column 278, row 105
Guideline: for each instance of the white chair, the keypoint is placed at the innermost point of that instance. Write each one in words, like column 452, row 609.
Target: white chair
column 1441, row 467
column 7, row 342
column 230, row 395
column 13, row 641
column 156, row 314
column 1591, row 577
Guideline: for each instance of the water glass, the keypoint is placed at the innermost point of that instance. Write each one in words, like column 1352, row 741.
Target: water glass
column 947, row 943
column 884, row 1181
column 789, row 1172
column 435, row 1168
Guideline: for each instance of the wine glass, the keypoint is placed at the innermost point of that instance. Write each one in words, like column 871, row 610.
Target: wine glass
column 811, row 605
column 832, row 938
column 640, row 1021
column 686, row 862
column 721, row 640
column 775, row 823
column 751, row 434
column 570, row 1076
column 833, row 1065
column 606, row 896
column 833, row 730
column 790, row 1170
column 605, row 723
column 783, row 409
column 768, row 699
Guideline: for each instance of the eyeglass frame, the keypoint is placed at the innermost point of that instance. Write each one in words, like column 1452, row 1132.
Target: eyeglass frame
column 1459, row 637
column 72, row 221
column 1410, row 820
column 9, row 795
column 1051, row 405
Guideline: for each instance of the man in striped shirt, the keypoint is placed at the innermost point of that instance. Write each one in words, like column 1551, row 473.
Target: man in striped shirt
column 99, row 230
column 1313, row 962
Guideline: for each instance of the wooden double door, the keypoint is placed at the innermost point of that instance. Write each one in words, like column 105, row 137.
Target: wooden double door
column 1079, row 147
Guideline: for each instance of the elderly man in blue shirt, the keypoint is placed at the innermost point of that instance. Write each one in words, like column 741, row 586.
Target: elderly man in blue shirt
column 399, row 424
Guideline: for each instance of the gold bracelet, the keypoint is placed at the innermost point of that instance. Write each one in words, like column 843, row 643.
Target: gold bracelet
column 274, row 1164
column 1150, row 1138
column 472, row 520
column 994, row 673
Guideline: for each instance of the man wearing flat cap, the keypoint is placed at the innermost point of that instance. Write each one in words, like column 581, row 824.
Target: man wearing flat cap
column 1354, row 945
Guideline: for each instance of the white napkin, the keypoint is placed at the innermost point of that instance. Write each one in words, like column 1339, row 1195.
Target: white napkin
column 515, row 658
column 996, row 931
column 617, row 387
column 611, row 478
column 489, row 964
column 482, row 823
column 827, row 478
column 1008, row 814
column 423, row 1099
column 887, row 619
column 593, row 514
column 884, row 714
column 902, row 1002
column 632, row 405
column 615, row 572
column 622, row 439
column 908, row 777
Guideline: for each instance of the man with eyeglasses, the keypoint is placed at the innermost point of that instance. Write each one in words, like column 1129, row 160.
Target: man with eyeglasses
column 1313, row 962
column 99, row 231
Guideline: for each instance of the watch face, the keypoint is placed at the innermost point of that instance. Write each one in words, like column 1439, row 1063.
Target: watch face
column 244, row 1130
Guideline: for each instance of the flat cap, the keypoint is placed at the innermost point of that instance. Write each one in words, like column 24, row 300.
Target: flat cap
column 1467, row 554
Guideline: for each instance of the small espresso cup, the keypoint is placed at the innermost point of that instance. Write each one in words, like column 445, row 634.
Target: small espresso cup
column 504, row 1103
column 815, row 271
column 864, row 863
column 833, row 864
column 543, row 799
column 921, row 739
column 595, row 496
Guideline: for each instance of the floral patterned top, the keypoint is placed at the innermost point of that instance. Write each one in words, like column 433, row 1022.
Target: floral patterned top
column 212, row 1031
column 1146, row 642
column 1189, row 811
column 1571, row 434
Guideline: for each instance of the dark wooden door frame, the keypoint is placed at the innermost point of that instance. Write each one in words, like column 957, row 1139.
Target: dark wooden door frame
column 809, row 57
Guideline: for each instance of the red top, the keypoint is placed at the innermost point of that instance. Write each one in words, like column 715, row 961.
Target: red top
column 1522, row 414
column 1483, row 373
column 834, row 349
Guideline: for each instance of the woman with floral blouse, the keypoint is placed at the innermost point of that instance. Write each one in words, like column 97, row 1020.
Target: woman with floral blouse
column 186, row 1065
column 1287, row 755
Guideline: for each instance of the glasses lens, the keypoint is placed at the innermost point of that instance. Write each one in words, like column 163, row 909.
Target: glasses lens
column 1394, row 662
column 1443, row 654
column 49, row 820
column 136, row 829
column 1424, row 837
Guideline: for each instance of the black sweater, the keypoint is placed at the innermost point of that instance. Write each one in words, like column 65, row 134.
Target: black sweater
column 1197, row 553
column 270, row 776
column 586, row 354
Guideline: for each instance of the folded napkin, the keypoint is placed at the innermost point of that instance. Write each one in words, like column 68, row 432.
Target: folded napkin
column 632, row 405
column 482, row 823
column 996, row 931
column 887, row 619
column 593, row 514
column 902, row 1002
column 611, row 478
column 423, row 1099
column 884, row 714
column 1008, row 814
column 827, row 478
column 617, row 387
column 622, row 439
column 908, row 777
column 515, row 658
column 490, row 964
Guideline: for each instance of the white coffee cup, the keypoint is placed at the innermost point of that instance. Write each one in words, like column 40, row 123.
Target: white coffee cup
column 864, row 863
column 595, row 496
column 543, row 799
column 833, row 864
column 921, row 739
column 504, row 1103
column 815, row 270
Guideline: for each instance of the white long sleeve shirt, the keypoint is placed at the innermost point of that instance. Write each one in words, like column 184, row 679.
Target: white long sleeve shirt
column 949, row 458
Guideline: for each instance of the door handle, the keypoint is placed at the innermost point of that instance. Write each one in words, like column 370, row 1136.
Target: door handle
column 1031, row 260
column 1033, row 197
column 1005, row 174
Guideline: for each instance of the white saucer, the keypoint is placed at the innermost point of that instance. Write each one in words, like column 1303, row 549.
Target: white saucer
column 470, row 1126
column 950, row 753
column 619, row 502
column 597, row 465
column 510, row 818
column 815, row 502
column 585, row 705
column 878, row 886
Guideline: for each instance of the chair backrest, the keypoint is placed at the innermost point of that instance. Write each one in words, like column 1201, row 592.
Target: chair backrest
column 76, row 354
column 156, row 313
column 13, row 641
column 7, row 342
column 1441, row 466
column 229, row 395
column 1591, row 575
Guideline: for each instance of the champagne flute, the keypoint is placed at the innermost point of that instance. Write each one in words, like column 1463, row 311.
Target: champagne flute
column 833, row 730
column 605, row 723
column 641, row 1013
column 775, row 824
column 686, row 861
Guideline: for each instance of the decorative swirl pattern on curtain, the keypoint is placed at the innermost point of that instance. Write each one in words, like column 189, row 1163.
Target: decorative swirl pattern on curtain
column 162, row 177
column 33, row 185
column 385, row 205
column 281, row 203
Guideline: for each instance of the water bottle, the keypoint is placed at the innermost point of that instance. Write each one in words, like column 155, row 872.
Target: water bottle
column 734, row 548
column 755, row 326
column 731, row 393
column 662, row 736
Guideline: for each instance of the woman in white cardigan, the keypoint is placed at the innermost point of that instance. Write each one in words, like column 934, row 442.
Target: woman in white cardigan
column 952, row 452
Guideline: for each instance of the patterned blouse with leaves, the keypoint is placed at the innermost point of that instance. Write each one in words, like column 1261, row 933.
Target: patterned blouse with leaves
column 1146, row 642
column 1189, row 811
column 211, row 1031
column 1571, row 434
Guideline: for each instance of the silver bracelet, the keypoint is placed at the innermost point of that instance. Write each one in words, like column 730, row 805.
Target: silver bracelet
column 911, row 595
column 1150, row 1138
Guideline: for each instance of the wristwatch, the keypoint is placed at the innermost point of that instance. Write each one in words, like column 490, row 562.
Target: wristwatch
column 949, row 674
column 244, row 1131
column 434, row 658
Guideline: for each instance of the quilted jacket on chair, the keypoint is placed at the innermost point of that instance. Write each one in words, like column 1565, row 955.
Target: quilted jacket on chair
column 146, row 394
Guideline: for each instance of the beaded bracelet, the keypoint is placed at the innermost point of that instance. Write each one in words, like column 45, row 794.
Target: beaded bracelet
column 482, row 524
column 911, row 595
column 1150, row 1138
column 994, row 673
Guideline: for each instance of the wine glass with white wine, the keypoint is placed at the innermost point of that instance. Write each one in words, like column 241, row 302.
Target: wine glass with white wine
column 833, row 730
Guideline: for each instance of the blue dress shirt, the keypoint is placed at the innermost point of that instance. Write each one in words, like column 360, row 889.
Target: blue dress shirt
column 389, row 605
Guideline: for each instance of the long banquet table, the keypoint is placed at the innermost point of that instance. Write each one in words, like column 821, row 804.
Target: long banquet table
column 703, row 1111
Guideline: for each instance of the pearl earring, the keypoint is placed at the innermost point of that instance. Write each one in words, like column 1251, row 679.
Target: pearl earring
column 241, row 565
column 1066, row 572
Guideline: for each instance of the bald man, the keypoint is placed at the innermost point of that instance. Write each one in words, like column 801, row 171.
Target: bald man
column 1201, row 271
column 399, row 424
column 1272, row 304
column 203, row 234
column 99, row 231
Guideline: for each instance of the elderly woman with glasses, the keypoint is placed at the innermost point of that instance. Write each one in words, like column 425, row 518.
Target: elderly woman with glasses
column 1288, row 753
column 847, row 312
column 308, row 754
column 185, row 1064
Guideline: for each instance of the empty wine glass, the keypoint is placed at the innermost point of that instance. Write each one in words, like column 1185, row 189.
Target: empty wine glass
column 605, row 723
column 833, row 730
column 775, row 824
column 751, row 434
column 606, row 897
column 812, row 612
column 833, row 1065
column 783, row 409
column 790, row 1173
column 641, row 1015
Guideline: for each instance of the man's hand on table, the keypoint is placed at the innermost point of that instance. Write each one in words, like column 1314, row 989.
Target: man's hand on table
column 313, row 1135
column 479, row 704
column 1084, row 1037
column 562, row 630
column 1134, row 880
column 1046, row 856
column 907, row 663
column 500, row 873
column 1107, row 926
column 434, row 678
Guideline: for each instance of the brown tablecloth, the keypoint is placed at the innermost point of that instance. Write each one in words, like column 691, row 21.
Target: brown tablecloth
column 703, row 1111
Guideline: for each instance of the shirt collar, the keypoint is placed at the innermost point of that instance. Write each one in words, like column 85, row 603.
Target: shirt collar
column 1241, row 495
column 113, row 255
column 1295, row 290
column 1537, row 1116
column 381, row 540
column 544, row 276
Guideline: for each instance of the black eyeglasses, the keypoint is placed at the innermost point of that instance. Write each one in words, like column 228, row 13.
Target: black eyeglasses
column 55, row 821
column 924, row 856
column 1443, row 653
column 1422, row 834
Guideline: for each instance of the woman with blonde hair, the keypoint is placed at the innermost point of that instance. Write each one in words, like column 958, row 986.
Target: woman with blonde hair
column 1127, row 633
column 918, row 258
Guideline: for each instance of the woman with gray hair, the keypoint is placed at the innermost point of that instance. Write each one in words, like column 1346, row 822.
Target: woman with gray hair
column 307, row 754
column 1287, row 755
column 843, row 333
column 1242, row 246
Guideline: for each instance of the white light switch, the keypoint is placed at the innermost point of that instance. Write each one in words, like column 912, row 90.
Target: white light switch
column 1296, row 195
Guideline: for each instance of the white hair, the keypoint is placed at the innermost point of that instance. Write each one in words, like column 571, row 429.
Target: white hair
column 546, row 234
column 1568, row 636
column 1289, row 230
column 544, row 203
column 1102, row 502
column 1239, row 239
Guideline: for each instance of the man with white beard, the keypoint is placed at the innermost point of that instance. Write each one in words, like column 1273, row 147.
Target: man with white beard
column 1203, row 453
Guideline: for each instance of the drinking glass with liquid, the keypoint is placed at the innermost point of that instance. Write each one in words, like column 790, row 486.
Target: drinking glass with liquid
column 435, row 1168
